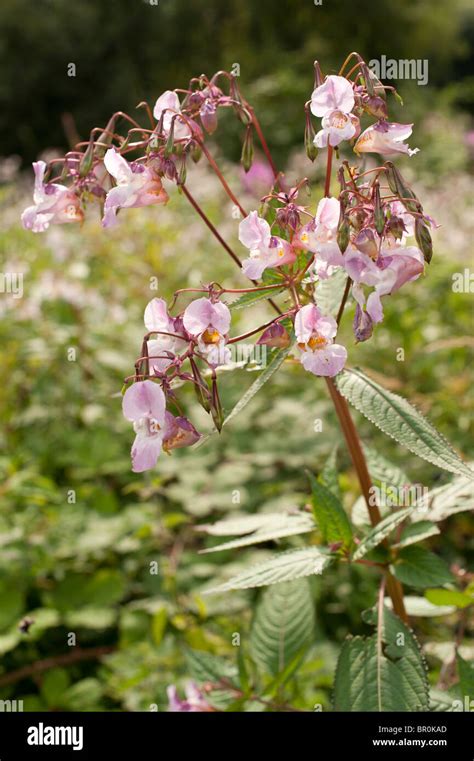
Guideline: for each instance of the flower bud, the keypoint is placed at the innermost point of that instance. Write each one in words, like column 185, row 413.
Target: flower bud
column 396, row 227
column 169, row 147
column 86, row 162
column 363, row 325
column 275, row 336
column 366, row 242
column 208, row 114
column 179, row 432
column 376, row 106
column 216, row 407
column 309, row 136
column 247, row 149
column 343, row 232
column 196, row 152
column 423, row 238
column 379, row 216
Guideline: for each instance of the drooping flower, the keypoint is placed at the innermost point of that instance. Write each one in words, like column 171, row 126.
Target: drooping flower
column 193, row 703
column 335, row 94
column 179, row 432
column 385, row 138
column 275, row 336
column 53, row 204
column 315, row 336
column 395, row 266
column 168, row 104
column 319, row 237
column 266, row 250
column 144, row 405
column 156, row 318
column 336, row 127
column 209, row 323
column 137, row 185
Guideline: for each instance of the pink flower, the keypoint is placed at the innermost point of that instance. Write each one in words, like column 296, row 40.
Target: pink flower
column 157, row 319
column 53, row 203
column 259, row 179
column 193, row 703
column 315, row 336
column 386, row 138
column 144, row 404
column 136, row 185
column 336, row 127
column 335, row 94
column 179, row 432
column 170, row 105
column 319, row 237
column 265, row 250
column 394, row 267
column 209, row 323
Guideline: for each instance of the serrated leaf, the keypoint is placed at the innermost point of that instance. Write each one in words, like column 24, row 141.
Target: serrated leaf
column 438, row 504
column 383, row 471
column 390, row 678
column 380, row 532
column 419, row 567
column 420, row 607
column 282, row 626
column 271, row 368
column 397, row 418
column 206, row 667
column 449, row 597
column 466, row 676
column 283, row 567
column 248, row 299
column 329, row 475
column 329, row 292
column 442, row 702
column 330, row 514
column 416, row 532
column 276, row 526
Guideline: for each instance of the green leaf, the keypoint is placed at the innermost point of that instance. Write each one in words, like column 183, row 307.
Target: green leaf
column 206, row 667
column 248, row 299
column 438, row 504
column 466, row 676
column 283, row 567
column 282, row 626
column 416, row 532
column 383, row 471
column 271, row 368
column 329, row 292
column 397, row 418
column 449, row 597
column 419, row 567
column 275, row 526
column 54, row 683
column 158, row 625
column 330, row 515
column 421, row 607
column 390, row 677
column 380, row 532
column 329, row 475
column 442, row 702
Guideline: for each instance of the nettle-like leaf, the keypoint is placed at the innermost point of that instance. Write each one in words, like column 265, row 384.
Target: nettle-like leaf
column 419, row 567
column 383, row 672
column 329, row 475
column 276, row 361
column 283, row 625
column 466, row 676
column 286, row 566
column 248, row 299
column 330, row 515
column 206, row 667
column 328, row 292
column 438, row 504
column 449, row 597
column 264, row 528
column 416, row 532
column 442, row 702
column 383, row 471
column 380, row 532
column 397, row 418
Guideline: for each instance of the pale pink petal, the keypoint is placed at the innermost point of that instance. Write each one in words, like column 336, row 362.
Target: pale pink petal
column 168, row 100
column 145, row 452
column 328, row 212
column 321, row 139
column 198, row 316
column 144, row 399
column 305, row 322
column 374, row 307
column 117, row 166
column 335, row 93
column 254, row 267
column 156, row 316
column 220, row 317
column 328, row 361
column 254, row 232
column 116, row 198
column 326, row 326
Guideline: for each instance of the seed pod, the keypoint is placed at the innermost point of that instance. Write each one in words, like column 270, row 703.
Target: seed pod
column 423, row 238
column 86, row 162
column 343, row 232
column 182, row 170
column 216, row 407
column 379, row 216
column 399, row 187
column 318, row 77
column 169, row 147
column 196, row 152
column 247, row 149
column 309, row 135
column 200, row 387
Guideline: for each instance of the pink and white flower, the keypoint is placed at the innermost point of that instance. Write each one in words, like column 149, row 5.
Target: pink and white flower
column 156, row 318
column 168, row 104
column 144, row 404
column 336, row 127
column 266, row 250
column 394, row 267
column 209, row 323
column 136, row 185
column 335, row 94
column 385, row 138
column 53, row 204
column 194, row 701
column 179, row 432
column 319, row 237
column 315, row 336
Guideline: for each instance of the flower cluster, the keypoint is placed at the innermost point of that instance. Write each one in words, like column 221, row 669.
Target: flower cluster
column 373, row 229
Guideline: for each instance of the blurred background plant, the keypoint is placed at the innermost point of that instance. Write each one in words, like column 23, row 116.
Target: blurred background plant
column 80, row 533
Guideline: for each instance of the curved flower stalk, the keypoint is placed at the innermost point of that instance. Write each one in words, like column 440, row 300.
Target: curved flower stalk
column 374, row 230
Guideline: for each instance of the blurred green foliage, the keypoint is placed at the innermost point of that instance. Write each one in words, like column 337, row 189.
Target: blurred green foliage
column 129, row 50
